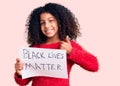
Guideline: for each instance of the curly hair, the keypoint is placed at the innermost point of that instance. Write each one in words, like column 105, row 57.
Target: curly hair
column 67, row 23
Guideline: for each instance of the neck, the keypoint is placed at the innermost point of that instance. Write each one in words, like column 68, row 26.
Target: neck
column 52, row 40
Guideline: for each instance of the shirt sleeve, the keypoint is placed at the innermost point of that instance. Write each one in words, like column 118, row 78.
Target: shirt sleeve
column 83, row 58
column 20, row 81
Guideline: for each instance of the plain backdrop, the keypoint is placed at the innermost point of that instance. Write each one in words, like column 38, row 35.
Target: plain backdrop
column 100, row 27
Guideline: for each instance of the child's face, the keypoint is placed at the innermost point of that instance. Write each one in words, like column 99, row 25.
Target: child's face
column 49, row 25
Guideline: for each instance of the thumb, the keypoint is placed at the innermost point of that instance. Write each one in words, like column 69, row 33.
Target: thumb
column 67, row 39
column 18, row 60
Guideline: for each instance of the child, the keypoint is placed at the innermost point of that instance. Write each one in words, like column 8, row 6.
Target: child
column 54, row 26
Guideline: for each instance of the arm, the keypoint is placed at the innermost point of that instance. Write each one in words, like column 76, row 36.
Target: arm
column 20, row 81
column 83, row 58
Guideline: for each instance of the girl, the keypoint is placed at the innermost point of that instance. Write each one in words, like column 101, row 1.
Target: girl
column 54, row 26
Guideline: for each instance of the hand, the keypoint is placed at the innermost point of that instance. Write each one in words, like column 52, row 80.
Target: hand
column 18, row 66
column 66, row 45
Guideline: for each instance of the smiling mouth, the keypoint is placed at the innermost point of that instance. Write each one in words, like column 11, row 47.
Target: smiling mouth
column 49, row 31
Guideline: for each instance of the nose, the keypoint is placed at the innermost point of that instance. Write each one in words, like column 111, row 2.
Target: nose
column 47, row 24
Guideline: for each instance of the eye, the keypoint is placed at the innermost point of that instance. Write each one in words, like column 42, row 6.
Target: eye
column 42, row 22
column 51, row 20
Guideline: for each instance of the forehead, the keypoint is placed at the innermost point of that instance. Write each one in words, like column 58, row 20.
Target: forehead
column 46, row 16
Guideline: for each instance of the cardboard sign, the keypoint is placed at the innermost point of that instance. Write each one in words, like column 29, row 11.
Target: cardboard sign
column 43, row 62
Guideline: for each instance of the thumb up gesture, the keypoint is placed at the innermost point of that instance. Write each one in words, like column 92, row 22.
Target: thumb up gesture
column 66, row 45
column 18, row 66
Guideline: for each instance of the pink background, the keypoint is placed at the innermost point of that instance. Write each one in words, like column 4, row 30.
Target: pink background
column 100, row 27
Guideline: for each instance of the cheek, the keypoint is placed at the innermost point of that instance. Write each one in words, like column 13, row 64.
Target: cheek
column 42, row 29
column 56, row 26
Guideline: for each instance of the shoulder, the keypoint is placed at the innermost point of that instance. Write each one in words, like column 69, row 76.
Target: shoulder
column 76, row 45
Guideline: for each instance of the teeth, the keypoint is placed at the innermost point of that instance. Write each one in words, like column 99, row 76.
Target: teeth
column 49, row 31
